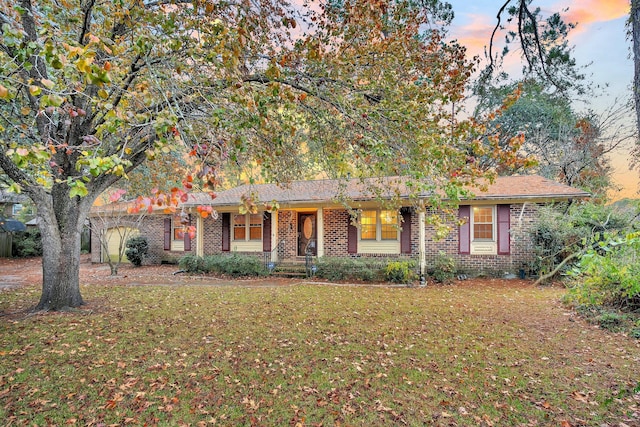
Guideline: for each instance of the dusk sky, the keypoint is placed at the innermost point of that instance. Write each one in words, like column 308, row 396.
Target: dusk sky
column 600, row 39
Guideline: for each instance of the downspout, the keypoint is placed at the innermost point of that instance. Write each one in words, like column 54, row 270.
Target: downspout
column 521, row 213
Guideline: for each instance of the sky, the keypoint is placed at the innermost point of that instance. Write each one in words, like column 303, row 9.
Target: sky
column 600, row 41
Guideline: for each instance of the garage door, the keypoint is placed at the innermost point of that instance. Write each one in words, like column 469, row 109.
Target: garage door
column 113, row 238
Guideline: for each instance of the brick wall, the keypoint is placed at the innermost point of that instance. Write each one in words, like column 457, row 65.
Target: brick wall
column 212, row 235
column 521, row 245
column 288, row 234
column 335, row 240
column 335, row 232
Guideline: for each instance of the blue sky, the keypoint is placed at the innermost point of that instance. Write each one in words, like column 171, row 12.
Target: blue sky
column 600, row 39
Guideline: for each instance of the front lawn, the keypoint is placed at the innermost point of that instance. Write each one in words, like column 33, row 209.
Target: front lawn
column 306, row 355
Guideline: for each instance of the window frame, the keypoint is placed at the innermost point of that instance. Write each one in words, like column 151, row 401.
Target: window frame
column 248, row 226
column 379, row 226
column 483, row 246
column 493, row 224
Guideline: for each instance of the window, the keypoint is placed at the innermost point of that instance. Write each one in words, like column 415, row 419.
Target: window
column 177, row 228
column 251, row 223
column 379, row 225
column 483, row 223
column 16, row 209
column 485, row 230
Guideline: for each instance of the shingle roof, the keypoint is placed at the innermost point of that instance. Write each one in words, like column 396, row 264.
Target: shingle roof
column 325, row 191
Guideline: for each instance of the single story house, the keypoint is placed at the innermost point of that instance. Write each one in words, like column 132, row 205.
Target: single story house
column 493, row 235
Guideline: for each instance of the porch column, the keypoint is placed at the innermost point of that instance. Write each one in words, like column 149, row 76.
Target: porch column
column 320, row 232
column 422, row 242
column 274, row 236
column 199, row 236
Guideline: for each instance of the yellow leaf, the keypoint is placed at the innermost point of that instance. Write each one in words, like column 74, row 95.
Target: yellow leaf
column 25, row 110
column 47, row 83
column 4, row 92
column 103, row 94
column 35, row 90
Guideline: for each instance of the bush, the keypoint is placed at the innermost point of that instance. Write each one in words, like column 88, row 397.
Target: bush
column 27, row 243
column 444, row 268
column 610, row 321
column 401, row 271
column 235, row 265
column 608, row 274
column 560, row 231
column 137, row 249
column 192, row 264
column 361, row 269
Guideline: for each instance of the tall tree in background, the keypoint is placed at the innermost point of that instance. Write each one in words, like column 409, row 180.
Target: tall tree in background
column 547, row 55
column 91, row 90
column 566, row 146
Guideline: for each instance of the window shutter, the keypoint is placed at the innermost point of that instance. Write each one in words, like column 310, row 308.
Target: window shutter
column 405, row 234
column 352, row 237
column 464, row 234
column 266, row 232
column 187, row 238
column 167, row 234
column 504, row 238
column 226, row 231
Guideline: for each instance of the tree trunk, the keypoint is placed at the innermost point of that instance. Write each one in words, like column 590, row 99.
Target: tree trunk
column 635, row 26
column 61, row 221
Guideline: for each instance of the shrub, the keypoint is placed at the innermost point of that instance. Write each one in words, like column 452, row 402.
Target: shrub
column 610, row 321
column 235, row 265
column 608, row 274
column 400, row 271
column 137, row 249
column 192, row 264
column 444, row 268
column 362, row 269
column 27, row 243
column 560, row 231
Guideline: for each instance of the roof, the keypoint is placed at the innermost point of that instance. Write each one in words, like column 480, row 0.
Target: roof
column 518, row 187
column 11, row 197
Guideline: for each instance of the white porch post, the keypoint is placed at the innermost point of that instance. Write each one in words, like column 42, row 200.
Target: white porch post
column 320, row 232
column 200, row 236
column 274, row 236
column 422, row 239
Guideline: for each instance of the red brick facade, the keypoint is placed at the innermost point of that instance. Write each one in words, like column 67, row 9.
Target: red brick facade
column 335, row 240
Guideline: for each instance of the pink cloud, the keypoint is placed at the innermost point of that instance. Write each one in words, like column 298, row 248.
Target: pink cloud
column 586, row 12
column 475, row 35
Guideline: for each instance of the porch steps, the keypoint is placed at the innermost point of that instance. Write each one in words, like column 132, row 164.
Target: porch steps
column 290, row 269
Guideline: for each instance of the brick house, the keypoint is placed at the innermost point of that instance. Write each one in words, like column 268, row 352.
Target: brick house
column 493, row 235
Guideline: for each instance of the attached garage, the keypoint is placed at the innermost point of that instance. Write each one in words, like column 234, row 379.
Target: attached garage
column 114, row 237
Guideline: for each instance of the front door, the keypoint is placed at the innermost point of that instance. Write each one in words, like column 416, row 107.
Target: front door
column 307, row 234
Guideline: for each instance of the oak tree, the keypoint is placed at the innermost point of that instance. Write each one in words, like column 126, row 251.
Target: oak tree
column 91, row 89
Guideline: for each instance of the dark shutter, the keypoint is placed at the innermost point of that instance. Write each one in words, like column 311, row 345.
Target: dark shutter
column 352, row 237
column 266, row 232
column 464, row 234
column 504, row 224
column 226, row 232
column 405, row 234
column 187, row 238
column 167, row 234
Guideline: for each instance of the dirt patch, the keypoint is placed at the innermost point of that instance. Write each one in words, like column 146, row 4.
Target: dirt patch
column 28, row 271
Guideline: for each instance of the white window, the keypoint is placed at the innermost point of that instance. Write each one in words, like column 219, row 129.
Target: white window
column 483, row 230
column 247, row 227
column 379, row 225
column 16, row 209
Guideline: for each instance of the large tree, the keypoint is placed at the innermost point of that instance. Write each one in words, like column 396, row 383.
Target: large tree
column 91, row 89
column 565, row 145
column 546, row 53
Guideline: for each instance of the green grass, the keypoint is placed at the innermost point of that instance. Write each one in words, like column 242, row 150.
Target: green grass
column 312, row 355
